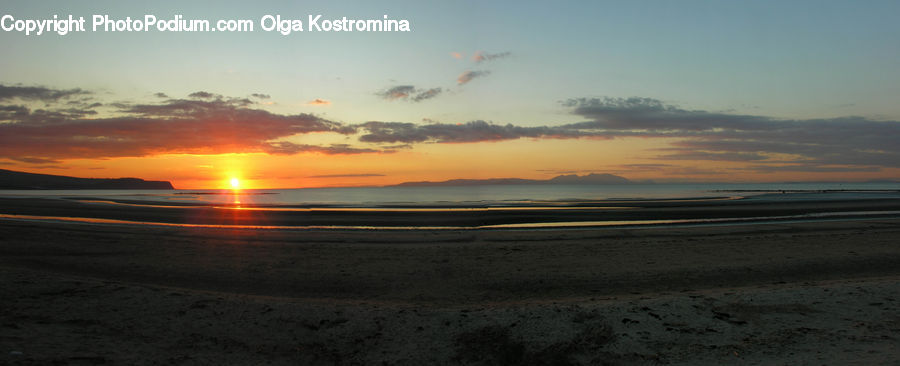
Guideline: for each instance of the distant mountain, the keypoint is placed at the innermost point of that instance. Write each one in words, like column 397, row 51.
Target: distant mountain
column 562, row 179
column 20, row 180
column 589, row 179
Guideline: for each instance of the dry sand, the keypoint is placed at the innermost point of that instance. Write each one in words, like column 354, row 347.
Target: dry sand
column 791, row 293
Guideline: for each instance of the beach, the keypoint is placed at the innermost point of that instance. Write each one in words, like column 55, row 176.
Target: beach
column 450, row 183
column 784, row 292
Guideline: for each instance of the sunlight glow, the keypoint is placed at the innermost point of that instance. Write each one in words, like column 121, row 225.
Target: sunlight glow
column 235, row 183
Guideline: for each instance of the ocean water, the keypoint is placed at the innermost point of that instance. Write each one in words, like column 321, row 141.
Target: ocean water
column 475, row 196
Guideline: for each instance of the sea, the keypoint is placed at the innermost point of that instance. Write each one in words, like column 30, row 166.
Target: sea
column 475, row 196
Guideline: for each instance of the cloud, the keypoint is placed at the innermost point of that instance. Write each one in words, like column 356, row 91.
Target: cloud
column 409, row 93
column 32, row 93
column 346, row 175
column 289, row 148
column 260, row 96
column 473, row 131
column 482, row 56
column 456, row 55
column 203, row 95
column 845, row 144
column 645, row 166
column 161, row 95
column 397, row 92
column 212, row 125
column 318, row 101
column 426, row 94
column 469, row 75
column 856, row 141
column 718, row 156
column 68, row 126
column 32, row 160
column 812, row 168
column 20, row 113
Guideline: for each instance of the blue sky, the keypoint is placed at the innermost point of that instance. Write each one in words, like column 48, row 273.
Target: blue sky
column 788, row 59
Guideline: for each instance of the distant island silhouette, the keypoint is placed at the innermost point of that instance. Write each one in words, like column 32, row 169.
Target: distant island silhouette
column 20, row 180
column 561, row 179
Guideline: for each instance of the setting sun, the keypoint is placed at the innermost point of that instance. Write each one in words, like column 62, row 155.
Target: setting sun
column 235, row 183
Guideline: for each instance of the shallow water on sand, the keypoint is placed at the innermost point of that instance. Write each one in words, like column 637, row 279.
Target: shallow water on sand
column 477, row 196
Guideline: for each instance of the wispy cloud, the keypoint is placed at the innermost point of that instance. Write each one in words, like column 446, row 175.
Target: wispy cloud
column 469, row 75
column 482, row 56
column 37, row 93
column 364, row 175
column 409, row 93
column 319, row 102
column 203, row 95
column 811, row 168
column 32, row 160
column 207, row 124
column 426, row 94
column 67, row 125
column 397, row 92
column 824, row 143
column 716, row 156
column 289, row 148
column 473, row 131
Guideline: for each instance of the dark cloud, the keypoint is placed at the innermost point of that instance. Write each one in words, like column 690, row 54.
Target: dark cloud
column 469, row 75
column 482, row 56
column 426, row 94
column 203, row 95
column 289, row 148
column 812, row 168
column 37, row 93
column 85, row 104
column 66, row 126
column 209, row 126
column 645, row 166
column 32, row 160
column 719, row 156
column 473, row 131
column 19, row 113
column 346, row 175
column 397, row 92
column 13, row 112
column 652, row 115
column 409, row 93
column 175, row 108
column 565, row 172
column 318, row 101
column 161, row 95
column 260, row 96
column 706, row 135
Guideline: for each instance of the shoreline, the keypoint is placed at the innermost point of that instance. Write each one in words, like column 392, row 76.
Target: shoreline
column 759, row 294
column 600, row 213
column 556, row 225
column 494, row 264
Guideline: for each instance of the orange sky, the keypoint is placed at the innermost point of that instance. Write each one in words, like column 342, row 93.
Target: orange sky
column 762, row 91
column 629, row 157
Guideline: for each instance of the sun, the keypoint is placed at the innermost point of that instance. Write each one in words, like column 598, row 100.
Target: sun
column 235, row 183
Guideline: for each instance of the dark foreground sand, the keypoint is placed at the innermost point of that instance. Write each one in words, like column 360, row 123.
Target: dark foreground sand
column 790, row 293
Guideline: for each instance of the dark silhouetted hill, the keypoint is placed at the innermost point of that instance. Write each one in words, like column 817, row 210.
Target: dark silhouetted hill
column 562, row 179
column 20, row 180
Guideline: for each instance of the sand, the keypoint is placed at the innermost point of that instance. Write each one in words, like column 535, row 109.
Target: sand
column 787, row 293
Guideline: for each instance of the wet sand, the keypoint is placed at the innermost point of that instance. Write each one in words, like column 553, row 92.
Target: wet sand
column 464, row 218
column 785, row 293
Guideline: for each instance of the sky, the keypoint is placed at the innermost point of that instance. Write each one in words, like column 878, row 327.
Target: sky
column 687, row 91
